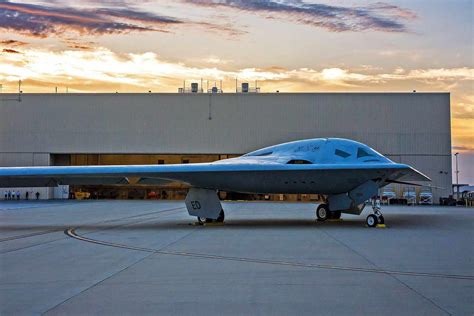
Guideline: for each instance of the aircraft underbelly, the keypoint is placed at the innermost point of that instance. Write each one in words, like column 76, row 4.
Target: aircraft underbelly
column 304, row 182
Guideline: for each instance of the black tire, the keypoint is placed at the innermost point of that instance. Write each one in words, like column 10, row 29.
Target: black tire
column 381, row 219
column 371, row 220
column 221, row 217
column 202, row 220
column 322, row 212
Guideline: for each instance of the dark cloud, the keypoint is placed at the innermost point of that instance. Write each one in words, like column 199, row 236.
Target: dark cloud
column 139, row 16
column 227, row 29
column 42, row 21
column 77, row 43
column 13, row 43
column 378, row 16
column 10, row 51
column 79, row 46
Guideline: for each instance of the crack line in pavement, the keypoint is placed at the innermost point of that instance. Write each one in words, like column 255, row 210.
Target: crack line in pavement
column 71, row 232
column 29, row 235
column 124, row 269
column 392, row 275
column 96, row 223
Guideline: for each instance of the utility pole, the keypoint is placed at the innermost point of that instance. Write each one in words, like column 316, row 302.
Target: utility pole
column 457, row 176
column 19, row 90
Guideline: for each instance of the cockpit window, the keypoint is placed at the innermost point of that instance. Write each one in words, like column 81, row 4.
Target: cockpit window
column 257, row 154
column 341, row 153
column 268, row 153
column 299, row 162
column 363, row 153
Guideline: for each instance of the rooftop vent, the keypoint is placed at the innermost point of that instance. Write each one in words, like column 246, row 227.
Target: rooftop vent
column 246, row 88
column 193, row 88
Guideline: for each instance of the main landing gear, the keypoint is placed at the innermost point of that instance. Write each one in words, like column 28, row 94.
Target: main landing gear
column 220, row 219
column 323, row 213
column 377, row 218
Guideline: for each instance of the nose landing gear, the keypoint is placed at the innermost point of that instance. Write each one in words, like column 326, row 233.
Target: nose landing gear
column 377, row 218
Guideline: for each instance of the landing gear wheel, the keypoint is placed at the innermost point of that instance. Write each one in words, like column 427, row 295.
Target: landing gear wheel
column 221, row 217
column 202, row 220
column 322, row 212
column 381, row 220
column 371, row 220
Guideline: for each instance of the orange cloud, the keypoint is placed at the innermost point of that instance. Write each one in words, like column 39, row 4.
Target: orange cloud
column 13, row 43
column 101, row 70
column 10, row 51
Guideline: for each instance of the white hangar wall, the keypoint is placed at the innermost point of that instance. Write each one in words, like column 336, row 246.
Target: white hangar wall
column 412, row 128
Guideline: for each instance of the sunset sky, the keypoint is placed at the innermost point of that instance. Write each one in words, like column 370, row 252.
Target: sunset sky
column 290, row 46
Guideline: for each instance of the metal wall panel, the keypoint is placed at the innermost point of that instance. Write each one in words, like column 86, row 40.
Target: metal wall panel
column 402, row 124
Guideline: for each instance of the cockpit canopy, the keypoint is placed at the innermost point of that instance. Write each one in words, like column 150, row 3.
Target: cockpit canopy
column 320, row 151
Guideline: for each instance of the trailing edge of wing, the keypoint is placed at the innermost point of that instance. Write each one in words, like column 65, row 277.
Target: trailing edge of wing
column 153, row 181
column 42, row 181
column 414, row 184
column 403, row 182
column 411, row 174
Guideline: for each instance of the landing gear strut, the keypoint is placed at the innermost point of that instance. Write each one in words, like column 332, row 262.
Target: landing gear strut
column 220, row 219
column 377, row 218
column 323, row 213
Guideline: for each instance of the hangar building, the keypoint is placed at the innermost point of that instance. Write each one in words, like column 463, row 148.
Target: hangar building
column 163, row 128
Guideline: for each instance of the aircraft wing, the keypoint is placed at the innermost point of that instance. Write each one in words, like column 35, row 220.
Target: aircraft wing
column 238, row 175
column 51, row 176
